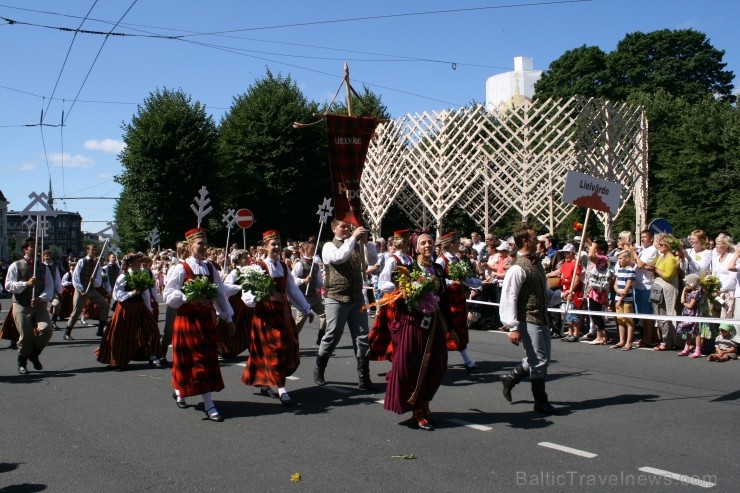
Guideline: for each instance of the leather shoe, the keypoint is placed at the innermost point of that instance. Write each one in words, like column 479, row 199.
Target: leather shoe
column 22, row 370
column 180, row 402
column 471, row 368
column 423, row 424
column 68, row 337
column 155, row 363
column 286, row 401
column 269, row 392
column 36, row 363
column 215, row 417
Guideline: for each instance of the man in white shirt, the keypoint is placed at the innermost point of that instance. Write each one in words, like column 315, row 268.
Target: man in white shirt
column 524, row 302
column 643, row 258
column 342, row 259
column 32, row 287
column 86, row 277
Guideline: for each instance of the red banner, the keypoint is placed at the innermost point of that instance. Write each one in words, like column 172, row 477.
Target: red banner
column 349, row 138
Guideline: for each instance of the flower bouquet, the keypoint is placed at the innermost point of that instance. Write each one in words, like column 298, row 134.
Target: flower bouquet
column 459, row 271
column 711, row 285
column 673, row 243
column 253, row 278
column 200, row 289
column 418, row 290
column 139, row 281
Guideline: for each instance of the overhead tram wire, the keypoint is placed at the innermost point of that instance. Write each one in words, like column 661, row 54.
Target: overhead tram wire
column 97, row 56
column 66, row 57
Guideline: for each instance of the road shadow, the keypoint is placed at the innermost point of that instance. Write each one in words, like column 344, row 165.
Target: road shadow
column 732, row 396
column 18, row 488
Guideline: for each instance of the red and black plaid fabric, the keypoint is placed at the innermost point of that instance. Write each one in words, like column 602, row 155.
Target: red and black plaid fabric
column 195, row 368
column 132, row 334
column 458, row 316
column 273, row 347
column 91, row 310
column 9, row 331
column 66, row 300
column 380, row 339
column 349, row 138
column 229, row 344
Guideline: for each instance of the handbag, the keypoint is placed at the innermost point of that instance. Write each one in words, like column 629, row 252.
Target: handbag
column 656, row 293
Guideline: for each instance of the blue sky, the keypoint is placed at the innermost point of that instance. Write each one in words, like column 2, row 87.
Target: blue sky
column 407, row 59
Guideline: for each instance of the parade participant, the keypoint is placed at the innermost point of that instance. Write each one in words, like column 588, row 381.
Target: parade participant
column 273, row 348
column 307, row 276
column 55, row 270
column 524, row 312
column 195, row 368
column 231, row 344
column 457, row 318
column 68, row 293
column 380, row 339
column 182, row 252
column 133, row 333
column 112, row 270
column 344, row 281
column 32, row 288
column 146, row 266
column 420, row 348
column 86, row 279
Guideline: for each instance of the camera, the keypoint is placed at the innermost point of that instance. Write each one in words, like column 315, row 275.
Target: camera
column 426, row 322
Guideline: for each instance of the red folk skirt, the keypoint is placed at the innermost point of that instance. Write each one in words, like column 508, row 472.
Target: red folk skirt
column 195, row 368
column 380, row 339
column 66, row 299
column 458, row 317
column 132, row 334
column 9, row 330
column 231, row 345
column 91, row 310
column 273, row 347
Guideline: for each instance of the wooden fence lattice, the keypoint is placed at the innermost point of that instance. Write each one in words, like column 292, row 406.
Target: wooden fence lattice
column 488, row 163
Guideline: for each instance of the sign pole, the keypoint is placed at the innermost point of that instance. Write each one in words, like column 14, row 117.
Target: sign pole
column 578, row 259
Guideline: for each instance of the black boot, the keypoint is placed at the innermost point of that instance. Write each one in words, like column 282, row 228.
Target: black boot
column 101, row 328
column 363, row 372
column 541, row 404
column 318, row 371
column 22, row 361
column 34, row 358
column 319, row 337
column 511, row 379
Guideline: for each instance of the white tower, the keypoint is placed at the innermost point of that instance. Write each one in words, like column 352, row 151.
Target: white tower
column 511, row 87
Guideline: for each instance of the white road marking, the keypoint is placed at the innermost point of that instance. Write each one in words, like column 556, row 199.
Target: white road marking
column 470, row 425
column 381, row 401
column 678, row 477
column 568, row 450
column 292, row 378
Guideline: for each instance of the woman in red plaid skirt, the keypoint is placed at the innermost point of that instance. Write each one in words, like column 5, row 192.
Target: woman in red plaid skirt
column 273, row 347
column 195, row 368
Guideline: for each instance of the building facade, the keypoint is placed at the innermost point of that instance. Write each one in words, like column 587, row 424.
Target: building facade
column 511, row 87
column 65, row 231
column 4, row 253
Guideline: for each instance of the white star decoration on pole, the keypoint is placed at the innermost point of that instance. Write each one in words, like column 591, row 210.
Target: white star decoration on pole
column 202, row 202
column 153, row 238
column 325, row 210
column 229, row 218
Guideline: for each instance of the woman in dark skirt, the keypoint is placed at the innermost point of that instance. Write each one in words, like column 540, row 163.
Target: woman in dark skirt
column 273, row 347
column 133, row 333
column 67, row 296
column 231, row 344
column 420, row 348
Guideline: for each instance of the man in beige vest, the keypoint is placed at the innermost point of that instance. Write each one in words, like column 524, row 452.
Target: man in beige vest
column 86, row 277
column 32, row 287
column 344, row 283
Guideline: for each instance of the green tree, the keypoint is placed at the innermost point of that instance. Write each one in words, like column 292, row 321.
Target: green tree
column 580, row 71
column 277, row 171
column 371, row 104
column 171, row 152
column 681, row 62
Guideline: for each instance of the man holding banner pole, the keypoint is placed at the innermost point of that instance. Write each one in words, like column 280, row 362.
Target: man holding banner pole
column 86, row 277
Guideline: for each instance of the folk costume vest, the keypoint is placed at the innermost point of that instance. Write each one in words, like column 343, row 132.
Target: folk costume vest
column 25, row 272
column 531, row 304
column 344, row 281
column 308, row 269
column 88, row 265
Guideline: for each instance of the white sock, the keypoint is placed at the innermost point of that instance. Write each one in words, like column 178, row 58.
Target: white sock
column 282, row 390
column 208, row 402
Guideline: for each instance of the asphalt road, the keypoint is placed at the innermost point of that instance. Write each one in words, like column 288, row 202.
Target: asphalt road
column 635, row 421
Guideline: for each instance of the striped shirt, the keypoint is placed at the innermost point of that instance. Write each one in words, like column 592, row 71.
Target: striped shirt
column 625, row 274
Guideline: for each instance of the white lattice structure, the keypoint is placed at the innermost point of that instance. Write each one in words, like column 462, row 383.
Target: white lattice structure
column 488, row 163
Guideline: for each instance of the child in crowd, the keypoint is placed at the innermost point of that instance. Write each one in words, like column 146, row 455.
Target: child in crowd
column 725, row 347
column 624, row 302
column 691, row 297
